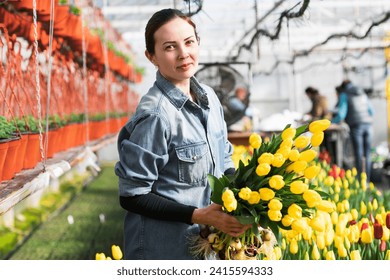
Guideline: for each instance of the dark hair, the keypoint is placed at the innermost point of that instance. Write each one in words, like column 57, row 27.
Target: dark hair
column 160, row 18
column 344, row 83
column 339, row 89
column 311, row 90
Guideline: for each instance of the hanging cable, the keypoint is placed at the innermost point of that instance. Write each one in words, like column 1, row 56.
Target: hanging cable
column 85, row 88
column 37, row 81
column 49, row 68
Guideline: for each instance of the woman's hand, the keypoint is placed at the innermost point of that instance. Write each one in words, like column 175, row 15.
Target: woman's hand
column 213, row 215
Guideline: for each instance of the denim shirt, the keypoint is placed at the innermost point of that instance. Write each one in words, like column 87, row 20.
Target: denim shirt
column 168, row 147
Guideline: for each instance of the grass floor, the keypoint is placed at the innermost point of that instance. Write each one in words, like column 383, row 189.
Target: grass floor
column 97, row 225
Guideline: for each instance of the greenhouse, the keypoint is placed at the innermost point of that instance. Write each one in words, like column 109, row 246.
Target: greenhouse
column 195, row 130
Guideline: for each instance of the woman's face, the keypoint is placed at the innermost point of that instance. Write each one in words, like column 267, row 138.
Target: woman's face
column 176, row 51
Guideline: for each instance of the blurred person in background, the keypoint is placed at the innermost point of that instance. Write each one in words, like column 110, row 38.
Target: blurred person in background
column 236, row 110
column 319, row 105
column 319, row 110
column 176, row 137
column 356, row 110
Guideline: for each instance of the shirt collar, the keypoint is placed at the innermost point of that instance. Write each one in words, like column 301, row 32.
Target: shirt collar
column 176, row 96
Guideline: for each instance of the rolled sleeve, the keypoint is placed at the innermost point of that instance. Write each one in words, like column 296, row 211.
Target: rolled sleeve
column 142, row 154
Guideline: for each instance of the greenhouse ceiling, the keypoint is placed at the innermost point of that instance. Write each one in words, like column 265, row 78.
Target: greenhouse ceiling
column 247, row 31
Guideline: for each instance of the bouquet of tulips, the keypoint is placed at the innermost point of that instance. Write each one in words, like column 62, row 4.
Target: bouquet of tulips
column 272, row 190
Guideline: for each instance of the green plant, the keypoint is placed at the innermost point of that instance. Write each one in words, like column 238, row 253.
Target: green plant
column 21, row 125
column 6, row 128
column 98, row 117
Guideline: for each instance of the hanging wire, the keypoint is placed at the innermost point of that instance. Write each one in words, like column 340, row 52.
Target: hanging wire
column 49, row 68
column 37, row 81
column 85, row 88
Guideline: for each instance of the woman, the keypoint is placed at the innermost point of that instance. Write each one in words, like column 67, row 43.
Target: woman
column 176, row 137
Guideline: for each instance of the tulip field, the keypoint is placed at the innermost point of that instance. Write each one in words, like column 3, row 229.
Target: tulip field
column 356, row 227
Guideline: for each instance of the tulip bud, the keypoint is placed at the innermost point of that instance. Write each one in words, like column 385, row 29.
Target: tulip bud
column 382, row 246
column 302, row 141
column 288, row 133
column 378, row 231
column 330, row 256
column 276, row 182
column 366, row 236
column 387, row 257
column 317, row 138
column 319, row 125
column 293, row 246
column 355, row 255
column 388, row 220
column 116, row 252
column 255, row 140
column 100, row 256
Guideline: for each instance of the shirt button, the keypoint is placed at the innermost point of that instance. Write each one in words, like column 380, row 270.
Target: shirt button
column 194, row 157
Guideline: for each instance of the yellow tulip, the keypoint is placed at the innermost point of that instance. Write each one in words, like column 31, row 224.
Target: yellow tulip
column 302, row 141
column 274, row 215
column 326, row 206
column 293, row 246
column 275, row 204
column 354, row 233
column 254, row 197
column 330, row 256
column 387, row 257
column 116, row 252
column 298, row 187
column 363, row 208
column 319, row 125
column 288, row 133
column 317, row 138
column 306, row 256
column 285, row 151
column 320, row 241
column 311, row 171
column 340, row 207
column 288, row 142
column 228, row 195
column 367, row 236
column 312, row 198
column 266, row 158
column 347, row 193
column 276, row 182
column 354, row 213
column 315, row 254
column 329, row 181
column 278, row 160
column 308, row 155
column 263, row 169
column 299, row 225
column 231, row 205
column 278, row 253
column 284, row 244
column 266, row 194
column 342, row 251
column 294, row 155
column 255, row 140
column 338, row 240
column 386, row 234
column 329, row 237
column 245, row 193
column 345, row 202
column 318, row 224
column 287, row 220
column 374, row 204
column 100, row 256
column 294, row 211
column 297, row 166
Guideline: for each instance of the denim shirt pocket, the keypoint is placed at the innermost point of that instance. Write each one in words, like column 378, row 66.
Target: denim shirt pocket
column 192, row 162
